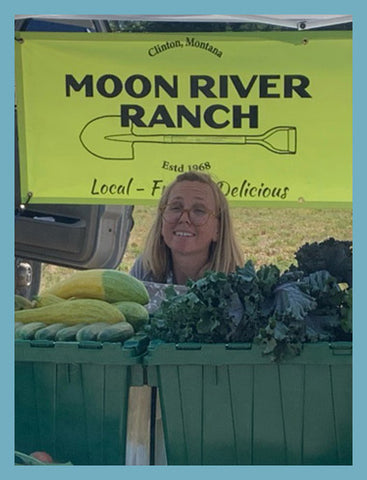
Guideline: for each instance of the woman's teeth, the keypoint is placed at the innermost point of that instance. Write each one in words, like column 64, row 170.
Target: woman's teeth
column 184, row 234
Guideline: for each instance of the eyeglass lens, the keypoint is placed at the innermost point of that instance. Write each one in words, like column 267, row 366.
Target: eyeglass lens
column 197, row 215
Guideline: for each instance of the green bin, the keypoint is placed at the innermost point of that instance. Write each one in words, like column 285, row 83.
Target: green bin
column 71, row 398
column 231, row 405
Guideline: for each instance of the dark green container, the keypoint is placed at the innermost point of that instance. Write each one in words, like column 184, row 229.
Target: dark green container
column 71, row 398
column 230, row 405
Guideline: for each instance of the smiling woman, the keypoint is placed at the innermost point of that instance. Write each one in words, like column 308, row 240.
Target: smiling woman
column 192, row 232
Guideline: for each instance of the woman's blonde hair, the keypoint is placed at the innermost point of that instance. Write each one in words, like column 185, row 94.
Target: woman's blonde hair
column 224, row 254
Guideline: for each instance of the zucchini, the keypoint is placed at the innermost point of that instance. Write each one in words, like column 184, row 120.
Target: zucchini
column 49, row 332
column 103, row 284
column 18, row 325
column 90, row 332
column 119, row 332
column 135, row 313
column 28, row 331
column 68, row 334
column 81, row 310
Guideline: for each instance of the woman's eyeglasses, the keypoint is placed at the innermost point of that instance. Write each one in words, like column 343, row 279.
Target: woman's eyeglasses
column 198, row 215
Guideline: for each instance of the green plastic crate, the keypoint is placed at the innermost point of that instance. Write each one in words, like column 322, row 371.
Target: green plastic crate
column 231, row 405
column 71, row 398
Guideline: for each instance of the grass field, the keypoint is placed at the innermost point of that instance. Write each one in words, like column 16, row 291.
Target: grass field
column 266, row 235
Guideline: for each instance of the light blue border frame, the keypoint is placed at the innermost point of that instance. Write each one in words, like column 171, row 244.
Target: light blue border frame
column 355, row 8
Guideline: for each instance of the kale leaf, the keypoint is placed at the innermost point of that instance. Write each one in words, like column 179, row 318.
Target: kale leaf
column 335, row 256
column 279, row 311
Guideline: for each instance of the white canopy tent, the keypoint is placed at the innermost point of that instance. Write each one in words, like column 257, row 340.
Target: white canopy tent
column 299, row 22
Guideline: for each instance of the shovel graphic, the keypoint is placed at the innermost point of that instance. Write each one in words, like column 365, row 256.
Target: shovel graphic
column 104, row 138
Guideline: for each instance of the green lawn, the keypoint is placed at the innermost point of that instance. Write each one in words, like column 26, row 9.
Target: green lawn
column 266, row 235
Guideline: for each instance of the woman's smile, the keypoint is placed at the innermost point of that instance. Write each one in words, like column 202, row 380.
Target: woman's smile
column 183, row 234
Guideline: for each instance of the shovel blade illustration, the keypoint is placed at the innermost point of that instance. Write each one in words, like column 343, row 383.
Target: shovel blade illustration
column 93, row 138
column 105, row 138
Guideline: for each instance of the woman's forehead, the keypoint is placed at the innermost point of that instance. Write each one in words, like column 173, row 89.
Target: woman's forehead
column 193, row 191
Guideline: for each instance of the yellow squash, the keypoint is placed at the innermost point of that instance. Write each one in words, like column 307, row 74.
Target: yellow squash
column 72, row 312
column 103, row 284
column 21, row 303
column 46, row 299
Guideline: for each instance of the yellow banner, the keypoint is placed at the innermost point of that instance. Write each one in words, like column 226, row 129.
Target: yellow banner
column 113, row 118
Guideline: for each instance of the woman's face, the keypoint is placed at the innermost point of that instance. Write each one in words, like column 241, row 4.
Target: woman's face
column 183, row 236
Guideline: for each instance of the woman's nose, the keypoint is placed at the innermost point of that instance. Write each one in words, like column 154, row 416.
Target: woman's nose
column 185, row 217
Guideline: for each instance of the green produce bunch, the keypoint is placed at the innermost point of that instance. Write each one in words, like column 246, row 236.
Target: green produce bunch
column 279, row 310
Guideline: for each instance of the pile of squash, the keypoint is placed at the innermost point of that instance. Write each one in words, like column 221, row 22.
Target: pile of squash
column 98, row 304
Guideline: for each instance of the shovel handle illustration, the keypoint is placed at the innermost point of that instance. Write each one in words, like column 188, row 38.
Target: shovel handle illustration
column 102, row 137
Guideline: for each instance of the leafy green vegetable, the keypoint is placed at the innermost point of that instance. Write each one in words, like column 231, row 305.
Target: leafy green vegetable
column 335, row 256
column 206, row 313
column 310, row 308
column 346, row 311
column 279, row 311
column 290, row 301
